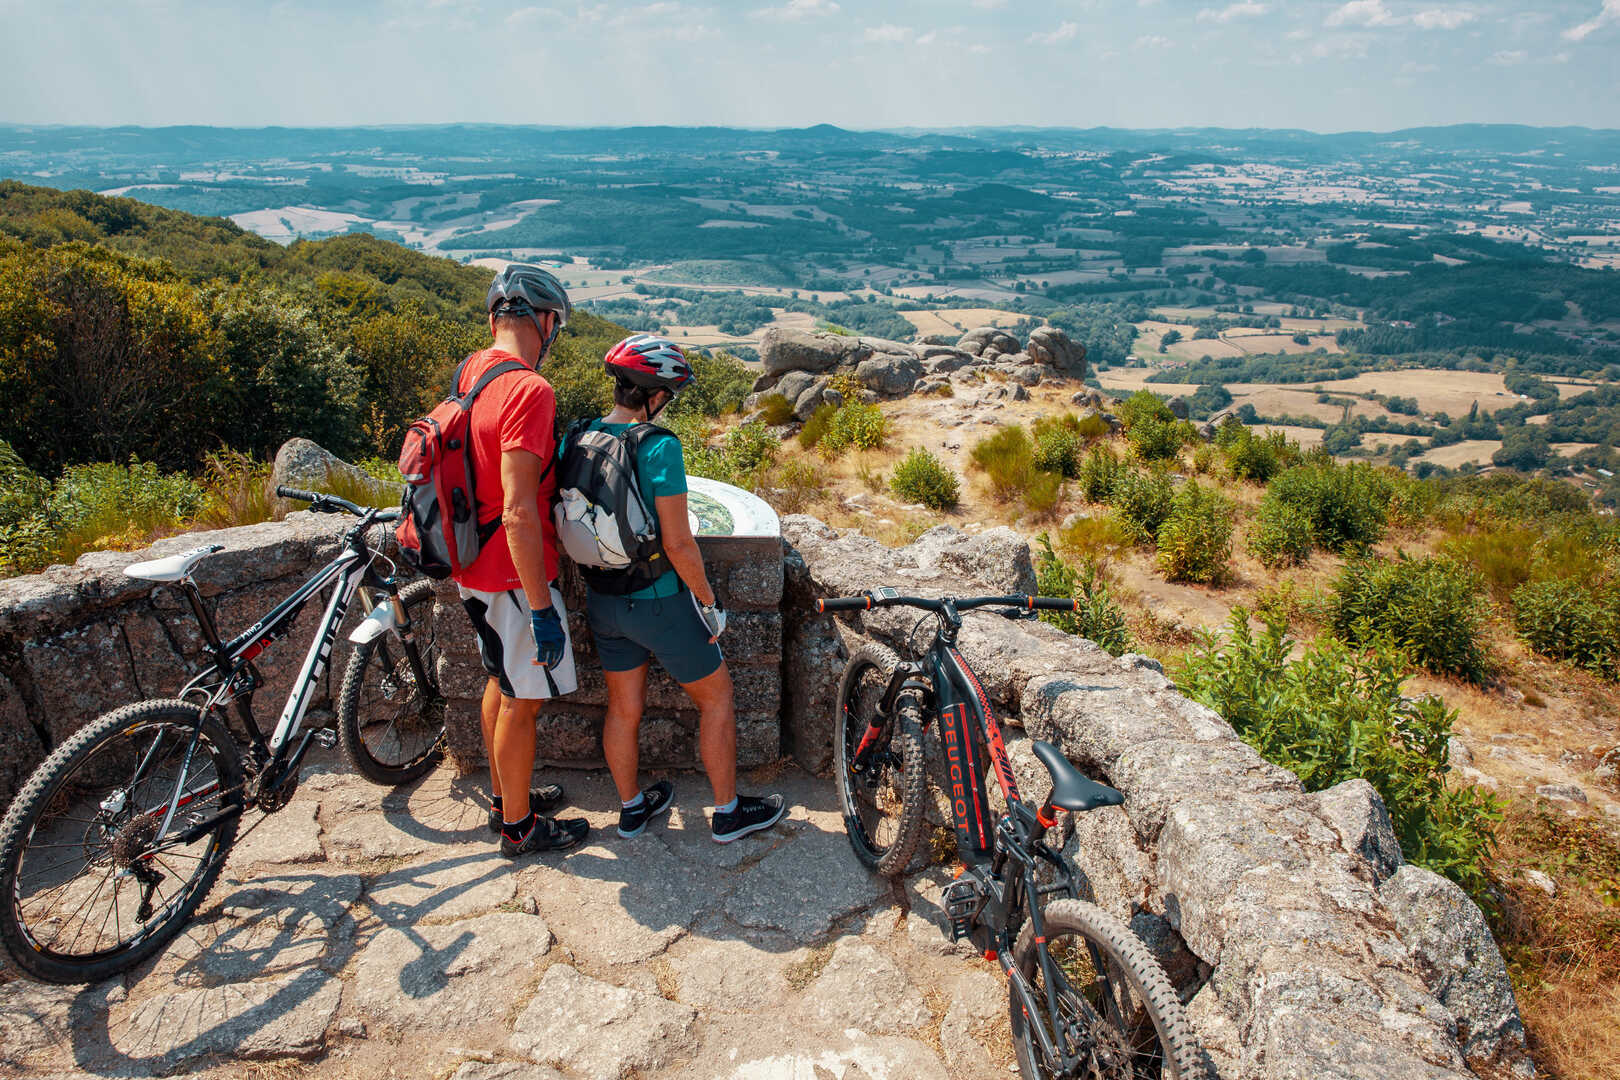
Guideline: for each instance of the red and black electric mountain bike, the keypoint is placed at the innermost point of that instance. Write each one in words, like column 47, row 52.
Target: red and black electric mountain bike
column 1086, row 998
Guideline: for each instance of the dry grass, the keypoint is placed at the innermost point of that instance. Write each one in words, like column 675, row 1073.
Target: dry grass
column 801, row 973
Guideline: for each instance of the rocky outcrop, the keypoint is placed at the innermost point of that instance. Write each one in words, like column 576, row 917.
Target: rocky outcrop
column 797, row 362
column 301, row 463
column 1282, row 915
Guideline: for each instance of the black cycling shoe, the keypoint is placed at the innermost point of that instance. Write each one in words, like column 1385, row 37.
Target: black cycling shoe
column 752, row 815
column 544, row 834
column 541, row 799
column 654, row 801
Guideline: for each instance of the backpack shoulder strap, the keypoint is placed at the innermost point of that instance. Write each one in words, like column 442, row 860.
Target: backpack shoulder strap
column 640, row 433
column 488, row 377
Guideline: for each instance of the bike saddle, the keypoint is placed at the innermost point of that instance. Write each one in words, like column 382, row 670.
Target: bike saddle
column 174, row 567
column 1071, row 791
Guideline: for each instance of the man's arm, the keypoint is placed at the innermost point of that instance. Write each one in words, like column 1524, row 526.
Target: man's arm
column 681, row 547
column 520, row 481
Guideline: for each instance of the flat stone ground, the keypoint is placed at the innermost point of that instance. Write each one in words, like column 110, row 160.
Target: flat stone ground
column 367, row 932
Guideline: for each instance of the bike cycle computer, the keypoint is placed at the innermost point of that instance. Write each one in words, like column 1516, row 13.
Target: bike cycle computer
column 885, row 593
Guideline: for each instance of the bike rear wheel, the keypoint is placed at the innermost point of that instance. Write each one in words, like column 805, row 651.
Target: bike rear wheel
column 392, row 729
column 84, row 891
column 1119, row 1014
column 883, row 803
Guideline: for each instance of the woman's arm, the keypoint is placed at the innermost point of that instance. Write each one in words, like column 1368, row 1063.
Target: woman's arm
column 681, row 547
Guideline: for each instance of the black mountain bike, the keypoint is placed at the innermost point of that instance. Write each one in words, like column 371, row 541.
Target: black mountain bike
column 121, row 832
column 1086, row 998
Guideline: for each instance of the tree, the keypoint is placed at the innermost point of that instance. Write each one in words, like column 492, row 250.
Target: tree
column 1170, row 338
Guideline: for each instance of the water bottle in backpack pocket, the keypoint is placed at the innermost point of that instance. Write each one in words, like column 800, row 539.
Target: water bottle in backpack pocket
column 603, row 522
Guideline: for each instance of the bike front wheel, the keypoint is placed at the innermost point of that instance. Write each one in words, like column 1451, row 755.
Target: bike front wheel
column 883, row 801
column 1117, row 1015
column 90, row 882
column 390, row 723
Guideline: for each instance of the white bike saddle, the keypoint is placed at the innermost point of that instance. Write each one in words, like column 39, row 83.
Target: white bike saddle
column 172, row 567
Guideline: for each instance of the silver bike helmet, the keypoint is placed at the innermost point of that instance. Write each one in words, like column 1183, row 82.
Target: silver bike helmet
column 521, row 289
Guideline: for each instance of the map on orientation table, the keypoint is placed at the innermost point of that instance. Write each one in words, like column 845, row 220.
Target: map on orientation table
column 718, row 509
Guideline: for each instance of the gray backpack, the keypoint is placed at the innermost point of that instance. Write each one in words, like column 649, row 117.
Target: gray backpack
column 603, row 522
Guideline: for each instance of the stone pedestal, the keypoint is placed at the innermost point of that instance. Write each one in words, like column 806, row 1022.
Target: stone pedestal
column 746, row 573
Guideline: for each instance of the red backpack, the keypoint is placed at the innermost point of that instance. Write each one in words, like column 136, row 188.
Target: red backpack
column 439, row 532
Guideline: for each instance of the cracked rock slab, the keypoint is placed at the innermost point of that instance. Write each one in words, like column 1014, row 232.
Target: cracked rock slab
column 33, row 1017
column 600, row 1031
column 448, row 976
column 444, row 890
column 856, row 1057
column 731, row 975
column 291, row 835
column 861, row 988
column 279, row 924
column 505, row 1070
column 804, row 887
column 284, row 1017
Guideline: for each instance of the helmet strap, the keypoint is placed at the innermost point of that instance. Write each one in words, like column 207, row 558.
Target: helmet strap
column 652, row 413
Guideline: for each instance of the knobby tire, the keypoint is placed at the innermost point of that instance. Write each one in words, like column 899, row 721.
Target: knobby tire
column 1124, row 957
column 54, row 784
column 366, row 667
column 902, row 775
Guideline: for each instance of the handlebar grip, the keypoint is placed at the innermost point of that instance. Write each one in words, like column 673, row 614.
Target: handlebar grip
column 385, row 516
column 843, row 603
column 285, row 492
column 1049, row 603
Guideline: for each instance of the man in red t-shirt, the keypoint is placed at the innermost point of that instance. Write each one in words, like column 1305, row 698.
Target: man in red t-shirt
column 515, row 609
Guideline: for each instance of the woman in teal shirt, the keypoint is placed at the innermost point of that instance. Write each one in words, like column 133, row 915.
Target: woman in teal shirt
column 676, row 619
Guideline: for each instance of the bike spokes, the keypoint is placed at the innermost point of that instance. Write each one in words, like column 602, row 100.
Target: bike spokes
column 1099, row 1020
column 95, row 874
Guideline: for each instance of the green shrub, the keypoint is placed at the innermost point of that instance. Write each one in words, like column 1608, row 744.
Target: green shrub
column 1256, row 457
column 853, row 424
column 1098, row 616
column 750, row 447
column 923, row 478
column 1336, row 714
column 1099, row 471
column 1097, row 540
column 1432, row 608
column 793, row 487
column 1144, row 405
column 1154, row 439
column 1058, row 446
column 1042, row 494
column 1346, row 505
column 1570, row 620
column 1142, row 498
column 22, row 491
column 777, row 409
column 1008, row 461
column 1280, row 535
column 816, row 427
column 1195, row 541
column 1206, row 460
column 1092, row 427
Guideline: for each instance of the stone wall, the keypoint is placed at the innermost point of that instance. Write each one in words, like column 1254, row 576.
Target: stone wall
column 1302, row 944
column 747, row 577
column 76, row 641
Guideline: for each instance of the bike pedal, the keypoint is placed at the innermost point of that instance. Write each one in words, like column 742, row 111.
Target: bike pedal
column 326, row 738
column 962, row 901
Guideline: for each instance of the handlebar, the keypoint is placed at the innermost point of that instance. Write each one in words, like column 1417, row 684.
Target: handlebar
column 886, row 598
column 322, row 503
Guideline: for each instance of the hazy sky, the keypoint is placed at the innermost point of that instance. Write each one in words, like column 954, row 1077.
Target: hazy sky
column 1328, row 66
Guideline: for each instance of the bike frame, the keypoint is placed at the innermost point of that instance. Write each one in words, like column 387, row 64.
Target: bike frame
column 231, row 677
column 1003, row 857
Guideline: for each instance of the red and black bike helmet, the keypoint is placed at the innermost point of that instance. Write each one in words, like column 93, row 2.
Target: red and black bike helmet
column 650, row 362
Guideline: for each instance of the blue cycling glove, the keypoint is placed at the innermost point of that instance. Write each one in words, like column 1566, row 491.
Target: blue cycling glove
column 549, row 639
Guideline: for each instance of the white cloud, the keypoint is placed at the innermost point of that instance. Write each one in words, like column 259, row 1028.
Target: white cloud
column 1154, row 41
column 1609, row 14
column 1341, row 47
column 1443, row 18
column 1243, row 9
column 978, row 50
column 1067, row 32
column 1363, row 13
column 530, row 15
column 887, row 34
column 797, row 10
column 928, row 38
column 1509, row 57
column 989, row 5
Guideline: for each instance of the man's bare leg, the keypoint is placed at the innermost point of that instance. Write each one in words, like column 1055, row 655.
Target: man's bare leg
column 489, row 709
column 717, row 732
column 512, row 755
column 621, row 728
